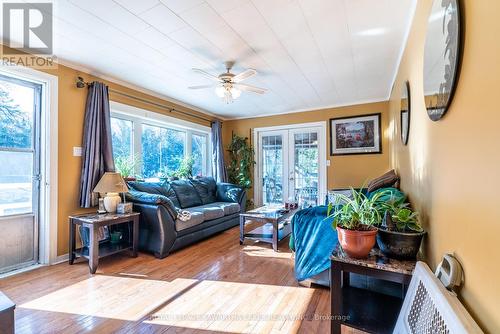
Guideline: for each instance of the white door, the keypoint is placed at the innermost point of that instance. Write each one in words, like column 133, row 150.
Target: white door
column 20, row 103
column 291, row 165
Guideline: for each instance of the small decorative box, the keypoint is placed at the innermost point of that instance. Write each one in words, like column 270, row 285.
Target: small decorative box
column 124, row 208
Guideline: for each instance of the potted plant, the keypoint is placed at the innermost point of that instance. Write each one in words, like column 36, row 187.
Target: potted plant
column 356, row 221
column 401, row 234
column 241, row 161
column 126, row 166
column 185, row 170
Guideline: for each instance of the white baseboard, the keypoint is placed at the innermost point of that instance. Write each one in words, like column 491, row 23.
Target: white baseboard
column 60, row 259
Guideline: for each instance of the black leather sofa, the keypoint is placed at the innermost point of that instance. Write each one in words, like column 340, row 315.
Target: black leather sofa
column 214, row 207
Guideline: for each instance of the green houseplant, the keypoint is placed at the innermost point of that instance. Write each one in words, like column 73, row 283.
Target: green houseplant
column 126, row 166
column 401, row 234
column 241, row 161
column 355, row 220
column 185, row 169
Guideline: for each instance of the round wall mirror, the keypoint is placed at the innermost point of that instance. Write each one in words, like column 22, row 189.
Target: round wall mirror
column 405, row 112
column 442, row 56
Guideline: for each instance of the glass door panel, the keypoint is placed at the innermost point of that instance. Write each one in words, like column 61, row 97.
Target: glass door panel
column 304, row 175
column 272, row 166
column 19, row 172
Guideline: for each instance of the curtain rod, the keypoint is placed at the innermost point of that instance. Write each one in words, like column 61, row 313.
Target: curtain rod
column 80, row 83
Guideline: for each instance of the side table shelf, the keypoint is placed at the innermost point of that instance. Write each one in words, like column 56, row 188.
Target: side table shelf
column 95, row 250
column 363, row 309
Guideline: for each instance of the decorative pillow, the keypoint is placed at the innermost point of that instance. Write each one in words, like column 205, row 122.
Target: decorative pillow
column 389, row 179
column 168, row 191
column 186, row 193
column 391, row 195
column 206, row 188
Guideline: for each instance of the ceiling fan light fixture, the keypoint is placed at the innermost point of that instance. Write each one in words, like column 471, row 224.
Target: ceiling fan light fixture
column 235, row 92
column 229, row 86
column 220, row 91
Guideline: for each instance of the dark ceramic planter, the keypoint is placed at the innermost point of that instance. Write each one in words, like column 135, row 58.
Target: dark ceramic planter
column 399, row 245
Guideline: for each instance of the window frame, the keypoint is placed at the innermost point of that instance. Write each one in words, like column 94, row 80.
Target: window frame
column 140, row 117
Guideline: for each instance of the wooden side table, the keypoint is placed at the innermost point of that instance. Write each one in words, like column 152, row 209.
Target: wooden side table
column 97, row 250
column 7, row 307
column 362, row 309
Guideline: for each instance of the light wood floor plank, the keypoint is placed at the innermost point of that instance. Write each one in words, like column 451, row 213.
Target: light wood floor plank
column 215, row 277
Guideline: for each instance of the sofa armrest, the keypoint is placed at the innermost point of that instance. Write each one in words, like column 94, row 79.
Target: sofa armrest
column 228, row 192
column 152, row 199
column 157, row 231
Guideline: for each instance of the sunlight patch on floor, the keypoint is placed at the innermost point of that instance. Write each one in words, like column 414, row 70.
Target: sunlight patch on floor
column 266, row 251
column 236, row 308
column 113, row 297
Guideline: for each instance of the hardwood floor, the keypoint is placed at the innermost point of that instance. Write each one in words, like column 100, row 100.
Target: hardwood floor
column 215, row 286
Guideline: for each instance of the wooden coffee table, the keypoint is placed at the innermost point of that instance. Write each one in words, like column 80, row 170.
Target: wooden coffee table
column 276, row 225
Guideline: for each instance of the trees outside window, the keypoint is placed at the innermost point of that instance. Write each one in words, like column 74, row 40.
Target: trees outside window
column 160, row 149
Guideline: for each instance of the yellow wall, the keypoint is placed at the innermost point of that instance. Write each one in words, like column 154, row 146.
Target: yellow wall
column 344, row 171
column 71, row 108
column 451, row 168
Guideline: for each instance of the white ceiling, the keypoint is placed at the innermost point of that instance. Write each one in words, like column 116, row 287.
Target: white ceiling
column 309, row 54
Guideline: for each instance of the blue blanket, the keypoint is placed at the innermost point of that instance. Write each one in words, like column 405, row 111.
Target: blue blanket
column 314, row 240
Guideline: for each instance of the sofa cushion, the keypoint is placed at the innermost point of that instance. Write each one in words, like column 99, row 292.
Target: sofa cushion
column 159, row 188
column 154, row 199
column 389, row 179
column 210, row 211
column 147, row 187
column 170, row 193
column 206, row 188
column 196, row 219
column 228, row 192
column 228, row 207
column 186, row 193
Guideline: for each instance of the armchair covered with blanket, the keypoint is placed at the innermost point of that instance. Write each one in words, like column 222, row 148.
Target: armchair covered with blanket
column 313, row 238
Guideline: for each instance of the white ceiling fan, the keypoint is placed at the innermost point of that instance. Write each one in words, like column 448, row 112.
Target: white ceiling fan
column 229, row 86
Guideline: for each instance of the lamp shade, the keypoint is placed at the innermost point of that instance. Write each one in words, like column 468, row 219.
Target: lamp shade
column 111, row 183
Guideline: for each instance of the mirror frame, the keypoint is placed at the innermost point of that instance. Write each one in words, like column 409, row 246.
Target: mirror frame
column 407, row 87
column 456, row 70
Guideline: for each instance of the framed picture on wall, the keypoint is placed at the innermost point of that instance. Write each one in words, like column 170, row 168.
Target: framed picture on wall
column 356, row 135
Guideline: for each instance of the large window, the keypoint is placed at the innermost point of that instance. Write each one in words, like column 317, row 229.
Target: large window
column 198, row 149
column 159, row 146
column 122, row 135
column 162, row 150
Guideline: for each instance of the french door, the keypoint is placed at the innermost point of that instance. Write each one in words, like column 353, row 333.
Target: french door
column 20, row 104
column 291, row 165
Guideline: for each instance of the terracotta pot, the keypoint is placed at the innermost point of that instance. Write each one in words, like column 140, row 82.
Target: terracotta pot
column 357, row 244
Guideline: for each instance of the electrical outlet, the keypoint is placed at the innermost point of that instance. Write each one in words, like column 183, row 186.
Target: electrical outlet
column 77, row 151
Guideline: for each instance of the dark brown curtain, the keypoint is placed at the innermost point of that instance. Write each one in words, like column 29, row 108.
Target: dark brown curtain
column 97, row 155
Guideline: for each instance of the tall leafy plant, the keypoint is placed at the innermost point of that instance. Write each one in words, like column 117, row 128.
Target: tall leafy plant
column 241, row 161
column 357, row 211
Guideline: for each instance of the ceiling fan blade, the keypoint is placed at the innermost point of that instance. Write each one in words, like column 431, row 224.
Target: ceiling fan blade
column 206, row 74
column 250, row 88
column 244, row 75
column 201, row 86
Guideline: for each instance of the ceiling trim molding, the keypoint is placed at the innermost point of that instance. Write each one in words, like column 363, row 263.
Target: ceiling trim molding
column 403, row 47
column 331, row 106
column 114, row 80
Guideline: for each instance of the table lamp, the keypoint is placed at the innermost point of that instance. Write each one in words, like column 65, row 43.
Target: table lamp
column 111, row 184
